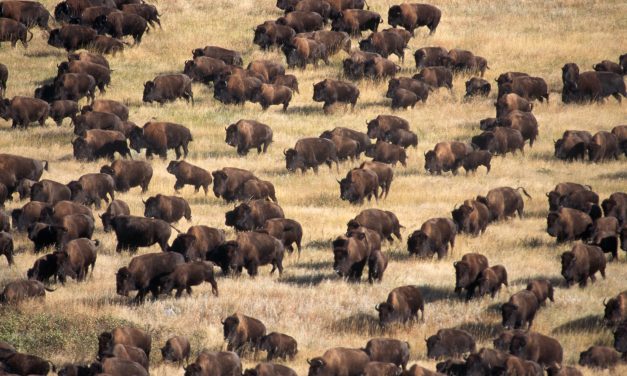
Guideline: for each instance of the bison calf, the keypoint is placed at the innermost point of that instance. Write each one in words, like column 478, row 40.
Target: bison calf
column 187, row 275
column 278, row 345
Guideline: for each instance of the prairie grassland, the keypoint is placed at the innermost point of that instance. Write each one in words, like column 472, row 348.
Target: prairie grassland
column 309, row 302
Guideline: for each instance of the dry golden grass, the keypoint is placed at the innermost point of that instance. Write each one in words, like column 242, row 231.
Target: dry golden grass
column 309, row 302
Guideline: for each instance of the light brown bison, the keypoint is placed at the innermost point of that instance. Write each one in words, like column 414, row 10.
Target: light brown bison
column 568, row 224
column 252, row 214
column 413, row 16
column 228, row 56
column 600, row 357
column 388, row 350
column 223, row 363
column 504, row 202
column 385, row 223
column 527, row 87
column 433, row 237
column 271, row 33
column 386, row 152
column 115, row 208
column 471, row 217
column 450, row 343
column 339, row 361
column 168, row 208
column 129, row 174
column 168, row 88
column 419, row 88
column 334, row 41
column 242, row 332
column 537, row 347
column 23, row 111
column 228, row 181
column 379, row 126
column 385, row 175
column 61, row 109
column 76, row 258
column 91, row 57
column 176, row 349
column 92, row 188
column 446, row 156
column 123, row 335
column 511, row 102
column 302, row 21
column 101, row 75
column 271, row 94
column 542, row 288
column 467, row 272
column 189, row 174
column 603, row 146
column 385, row 44
column 430, row 57
column 491, row 279
column 158, row 137
column 581, row 263
column 616, row 308
column 350, row 256
column 436, row 77
column 288, row 231
column 521, row 309
column 301, row 51
column 402, row 305
column 204, row 69
column 19, row 290
column 377, row 263
column 359, row 184
column 198, row 242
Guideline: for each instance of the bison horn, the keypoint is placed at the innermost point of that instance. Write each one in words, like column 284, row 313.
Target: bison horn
column 455, row 263
column 377, row 307
column 308, row 361
column 284, row 152
column 339, row 182
column 425, row 153
column 99, row 215
column 604, row 303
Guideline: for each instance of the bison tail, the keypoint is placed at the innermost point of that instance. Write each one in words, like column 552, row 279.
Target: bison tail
column 175, row 229
column 524, row 191
column 54, row 368
column 367, row 5
column 45, row 165
column 31, row 35
column 49, row 289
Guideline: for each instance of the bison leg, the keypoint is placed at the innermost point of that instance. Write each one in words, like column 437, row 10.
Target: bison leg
column 214, row 286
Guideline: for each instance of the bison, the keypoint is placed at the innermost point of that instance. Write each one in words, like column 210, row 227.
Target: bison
column 450, row 343
column 339, row 361
column 129, row 174
column 189, row 174
column 252, row 214
column 168, row 88
column 248, row 134
column 242, row 332
column 521, row 309
column 582, row 262
column 413, row 16
column 332, row 91
column 402, row 305
column 467, row 272
column 167, row 208
column 144, row 272
column 158, row 137
column 134, row 232
column 433, row 237
column 310, row 153
column 278, row 346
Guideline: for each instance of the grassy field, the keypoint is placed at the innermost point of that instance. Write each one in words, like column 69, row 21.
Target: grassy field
column 309, row 302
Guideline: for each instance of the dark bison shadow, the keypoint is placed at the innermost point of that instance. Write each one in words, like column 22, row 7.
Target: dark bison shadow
column 315, row 265
column 586, row 324
column 307, row 280
column 358, row 323
column 432, row 294
column 495, row 307
column 556, row 281
column 46, row 53
column 532, row 242
column 319, row 244
column 482, row 331
column 307, row 110
column 614, row 175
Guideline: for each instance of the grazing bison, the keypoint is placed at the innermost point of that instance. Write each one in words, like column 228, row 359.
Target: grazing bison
column 471, row 217
column 500, row 141
column 572, row 145
column 288, row 231
column 601, row 357
column 129, row 174
column 603, row 146
column 542, row 288
column 134, row 232
column 278, row 346
column 92, row 188
column 436, row 77
column 504, row 202
column 339, row 361
column 403, row 98
column 477, row 87
column 248, row 134
column 271, row 33
column 354, row 21
column 228, row 56
column 491, row 279
column 271, row 94
column 24, row 364
column 582, row 262
column 450, row 343
column 23, row 111
column 115, row 208
column 402, row 305
column 184, row 276
column 176, row 349
column 433, row 237
column 384, row 172
column 446, row 156
column 167, row 208
column 101, row 75
column 616, row 308
column 536, row 347
column 430, row 57
column 386, row 152
column 512, row 102
column 6, row 246
column 97, row 143
column 242, row 333
column 76, row 258
column 385, row 44
column 228, row 181
column 385, row 223
column 332, row 91
column 144, row 272
column 467, row 272
column 71, row 37
column 189, row 174
column 568, row 224
column 388, row 350
column 61, row 109
column 350, row 255
column 520, row 310
column 302, row 21
column 311, row 153
column 251, row 250
column 13, row 31
column 476, row 158
column 413, row 16
column 359, row 184
column 158, row 137
column 19, row 290
column 168, row 88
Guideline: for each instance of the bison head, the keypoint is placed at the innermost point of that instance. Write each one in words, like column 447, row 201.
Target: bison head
column 78, row 193
column 262, row 37
column 343, row 262
column 241, row 218
column 5, row 109
column 485, row 141
column 366, row 45
column 518, row 345
column 194, row 369
column 293, row 161
column 54, row 39
column 569, row 267
column 615, row 309
column 106, row 221
column 44, row 235
column 348, row 190
column 420, row 245
column 168, row 353
column 488, row 124
column 152, row 207
column 587, row 358
column 554, row 200
column 105, row 344
column 570, row 75
column 553, row 224
column 183, row 244
column 138, row 142
column 219, row 183
column 503, row 341
column 509, row 313
column 149, row 88
column 101, row 25
column 620, row 339
column 231, row 135
column 393, row 84
column 173, row 167
column 339, row 24
column 64, row 267
column 373, row 128
column 386, row 313
column 395, row 16
column 435, row 348
column 46, row 93
column 124, row 282
column 221, row 91
column 316, row 366
column 462, row 274
column 461, row 215
column 432, row 164
column 320, row 91
column 229, row 327
column 81, row 149
column 62, row 68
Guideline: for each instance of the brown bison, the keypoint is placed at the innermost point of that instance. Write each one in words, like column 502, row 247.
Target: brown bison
column 184, row 276
column 590, row 86
column 467, row 272
column 134, row 232
column 129, row 174
column 600, row 357
column 228, row 56
column 527, row 87
column 120, row 24
column 146, row 11
column 224, row 363
column 75, row 86
column 288, row 231
column 359, row 184
column 334, row 41
column 536, row 347
column 419, row 88
column 302, row 21
column 76, row 258
column 49, row 191
column 520, row 310
column 61, row 109
column 568, row 224
column 385, row 223
column 542, row 288
column 339, row 361
column 477, row 87
column 386, row 152
column 92, row 188
column 465, row 61
column 504, row 202
column 26, row 12
column 377, row 263
column 204, row 69
column 430, row 57
column 167, row 208
column 603, row 146
column 500, row 141
column 198, row 242
column 572, row 145
column 581, row 263
column 228, row 181
column 91, row 57
column 402, row 305
column 433, row 237
column 158, row 137
column 72, row 37
column 511, row 102
column 123, row 335
column 403, row 98
column 524, row 122
column 384, row 172
column 491, row 279
column 144, row 272
column 271, row 94
column 24, row 364
column 168, row 88
column 115, row 208
column 253, row 249
column 189, row 174
column 176, row 349
column 388, row 350
column 608, row 66
column 271, row 33
column 450, row 343
column 332, row 91
column 354, row 21
column 350, row 254
column 236, row 89
column 379, row 126
column 30, row 213
column 23, row 111
column 311, row 153
column 101, row 75
column 97, row 143
column 13, row 31
column 278, row 345
column 354, row 66
column 252, row 214
column 413, row 16
column 19, row 290
column 6, row 246
column 476, row 158
column 301, row 51
column 248, row 134
column 471, row 217
column 361, row 139
column 616, row 308
column 385, row 44
column 242, row 332
column 446, row 156
column 436, row 77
